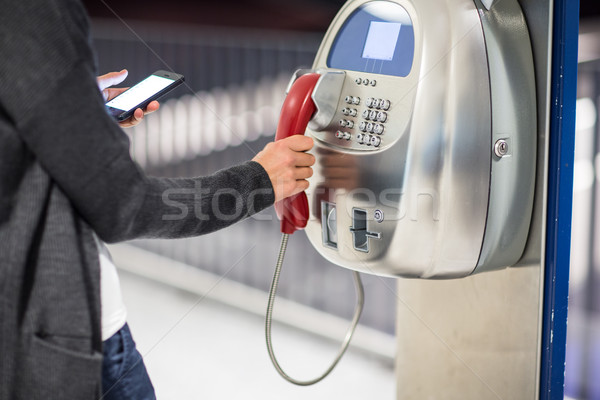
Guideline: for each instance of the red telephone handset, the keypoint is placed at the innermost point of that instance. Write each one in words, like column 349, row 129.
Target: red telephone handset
column 297, row 110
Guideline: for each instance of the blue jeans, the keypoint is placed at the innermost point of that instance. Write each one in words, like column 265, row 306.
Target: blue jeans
column 124, row 375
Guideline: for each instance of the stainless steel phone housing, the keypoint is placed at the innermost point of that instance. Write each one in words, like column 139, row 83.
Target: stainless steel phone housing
column 446, row 189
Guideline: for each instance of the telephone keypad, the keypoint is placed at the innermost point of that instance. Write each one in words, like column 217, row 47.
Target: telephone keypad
column 371, row 120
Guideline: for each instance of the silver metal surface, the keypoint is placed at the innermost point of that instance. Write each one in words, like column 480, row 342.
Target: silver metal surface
column 325, row 95
column 514, row 122
column 431, row 169
column 487, row 3
column 479, row 337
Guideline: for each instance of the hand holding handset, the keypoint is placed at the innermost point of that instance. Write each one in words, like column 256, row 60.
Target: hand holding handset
column 139, row 96
column 297, row 110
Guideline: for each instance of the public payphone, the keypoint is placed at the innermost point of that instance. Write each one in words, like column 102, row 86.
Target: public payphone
column 424, row 119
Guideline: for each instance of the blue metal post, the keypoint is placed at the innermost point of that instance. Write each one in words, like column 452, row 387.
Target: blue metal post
column 560, row 196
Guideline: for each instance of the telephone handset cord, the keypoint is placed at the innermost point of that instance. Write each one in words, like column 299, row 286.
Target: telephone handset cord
column 360, row 299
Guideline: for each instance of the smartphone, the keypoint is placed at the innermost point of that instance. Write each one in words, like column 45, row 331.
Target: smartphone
column 139, row 96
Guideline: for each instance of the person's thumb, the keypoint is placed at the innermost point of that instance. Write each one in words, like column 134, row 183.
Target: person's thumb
column 111, row 79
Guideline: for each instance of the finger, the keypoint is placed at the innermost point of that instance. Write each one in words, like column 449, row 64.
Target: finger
column 135, row 119
column 340, row 161
column 301, row 185
column 153, row 106
column 112, row 78
column 303, row 173
column 111, row 93
column 299, row 142
column 137, row 116
column 303, row 159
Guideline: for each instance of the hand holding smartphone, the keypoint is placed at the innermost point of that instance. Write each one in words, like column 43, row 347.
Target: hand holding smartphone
column 140, row 95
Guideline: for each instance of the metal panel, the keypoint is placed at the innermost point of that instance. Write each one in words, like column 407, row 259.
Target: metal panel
column 480, row 337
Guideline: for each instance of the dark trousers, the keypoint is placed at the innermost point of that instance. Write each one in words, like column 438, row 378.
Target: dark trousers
column 124, row 375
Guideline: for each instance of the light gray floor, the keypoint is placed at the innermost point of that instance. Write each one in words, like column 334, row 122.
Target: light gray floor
column 200, row 349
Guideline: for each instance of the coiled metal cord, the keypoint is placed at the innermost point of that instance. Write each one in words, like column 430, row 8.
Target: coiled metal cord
column 360, row 299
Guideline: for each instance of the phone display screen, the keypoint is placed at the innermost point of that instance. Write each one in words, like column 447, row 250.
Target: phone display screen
column 381, row 40
column 140, row 92
column 377, row 38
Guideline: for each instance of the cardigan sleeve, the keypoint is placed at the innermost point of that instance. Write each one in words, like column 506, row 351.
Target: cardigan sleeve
column 60, row 115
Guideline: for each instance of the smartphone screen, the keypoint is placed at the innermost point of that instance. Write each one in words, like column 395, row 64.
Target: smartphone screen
column 140, row 95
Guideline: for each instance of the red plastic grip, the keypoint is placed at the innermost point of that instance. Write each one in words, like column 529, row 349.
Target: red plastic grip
column 297, row 110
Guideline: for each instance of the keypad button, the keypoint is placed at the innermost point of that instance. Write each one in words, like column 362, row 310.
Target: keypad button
column 373, row 82
column 363, row 126
column 375, row 103
column 339, row 134
column 375, row 141
column 368, row 140
column 353, row 112
column 365, row 114
column 349, row 124
column 358, row 81
column 345, row 111
column 347, row 135
column 381, row 116
column 348, row 99
column 385, row 105
column 369, row 102
column 379, row 129
column 373, row 115
column 356, row 100
column 360, row 138
column 366, row 82
column 370, row 127
column 342, row 122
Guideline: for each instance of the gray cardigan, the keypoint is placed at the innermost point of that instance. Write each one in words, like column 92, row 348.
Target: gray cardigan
column 65, row 171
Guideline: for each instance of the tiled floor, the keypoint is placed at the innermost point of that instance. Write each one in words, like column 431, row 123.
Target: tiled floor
column 200, row 349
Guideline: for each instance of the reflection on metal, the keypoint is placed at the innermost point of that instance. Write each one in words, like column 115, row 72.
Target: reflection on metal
column 487, row 3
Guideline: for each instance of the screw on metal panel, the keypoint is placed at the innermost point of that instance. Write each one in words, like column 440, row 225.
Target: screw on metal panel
column 501, row 148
